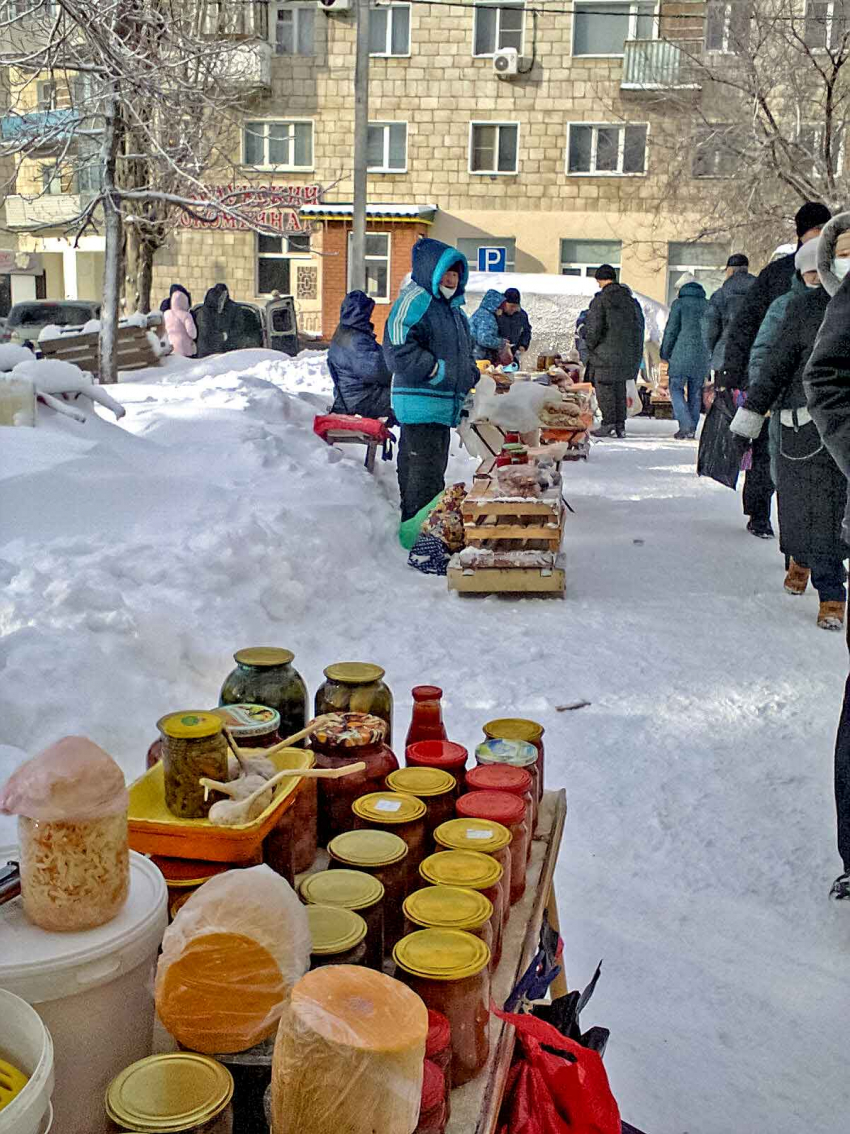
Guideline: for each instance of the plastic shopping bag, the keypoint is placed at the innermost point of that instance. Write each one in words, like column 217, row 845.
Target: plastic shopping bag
column 633, row 402
column 720, row 450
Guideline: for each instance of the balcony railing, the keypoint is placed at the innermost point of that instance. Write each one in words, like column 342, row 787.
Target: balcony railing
column 246, row 66
column 50, row 208
column 43, row 128
column 658, row 65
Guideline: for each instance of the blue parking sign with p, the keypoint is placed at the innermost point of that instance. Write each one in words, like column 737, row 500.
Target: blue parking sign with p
column 492, row 259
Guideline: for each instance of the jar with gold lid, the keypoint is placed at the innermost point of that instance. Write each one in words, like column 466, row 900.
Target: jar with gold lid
column 193, row 746
column 402, row 815
column 177, row 1093
column 436, row 788
column 352, row 890
column 264, row 675
column 383, row 855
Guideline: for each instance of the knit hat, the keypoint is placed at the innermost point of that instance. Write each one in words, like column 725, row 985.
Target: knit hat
column 685, row 279
column 811, row 215
column 806, row 259
column 738, row 260
column 512, row 295
column 605, row 272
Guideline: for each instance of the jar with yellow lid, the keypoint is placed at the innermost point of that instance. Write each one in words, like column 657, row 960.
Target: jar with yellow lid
column 338, row 936
column 486, row 837
column 193, row 746
column 437, row 790
column 352, row 890
column 449, row 970
column 530, row 732
column 513, row 754
column 470, row 870
column 264, row 675
column 349, row 738
column 178, row 1093
column 450, row 907
column 402, row 815
column 356, row 687
column 384, row 856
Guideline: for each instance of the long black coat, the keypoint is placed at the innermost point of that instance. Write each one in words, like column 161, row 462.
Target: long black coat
column 723, row 307
column 614, row 335
column 771, row 282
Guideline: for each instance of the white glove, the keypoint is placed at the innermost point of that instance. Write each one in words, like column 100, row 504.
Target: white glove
column 746, row 423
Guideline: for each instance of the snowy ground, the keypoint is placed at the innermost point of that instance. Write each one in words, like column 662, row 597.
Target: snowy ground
column 699, row 849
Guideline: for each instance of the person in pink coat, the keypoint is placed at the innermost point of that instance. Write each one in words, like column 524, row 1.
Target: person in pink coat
column 180, row 326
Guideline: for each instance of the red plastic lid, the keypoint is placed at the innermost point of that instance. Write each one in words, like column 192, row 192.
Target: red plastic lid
column 426, row 692
column 499, row 777
column 439, row 1034
column 433, row 1086
column 497, row 806
column 437, row 754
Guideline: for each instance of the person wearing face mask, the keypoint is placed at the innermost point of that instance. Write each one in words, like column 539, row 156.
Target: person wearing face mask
column 811, row 490
column 428, row 349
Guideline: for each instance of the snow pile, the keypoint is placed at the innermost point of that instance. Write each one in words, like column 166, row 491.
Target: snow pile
column 306, row 374
column 11, row 354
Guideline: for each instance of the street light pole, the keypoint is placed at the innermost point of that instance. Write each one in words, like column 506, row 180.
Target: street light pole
column 361, row 135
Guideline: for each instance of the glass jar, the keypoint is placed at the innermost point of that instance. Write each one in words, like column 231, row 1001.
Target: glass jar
column 382, row 855
column 450, row 907
column 514, row 781
column 356, row 687
column 438, row 1048
column 193, row 745
column 530, row 732
column 252, row 1074
column 449, row 970
column 432, row 1109
column 178, row 1093
column 403, row 815
column 347, row 739
column 338, row 936
column 516, row 754
column 183, row 876
column 264, row 676
column 352, row 890
column 486, row 837
column 251, row 726
column 437, row 790
column 443, row 754
column 508, row 811
column 290, row 846
column 426, row 722
column 473, row 871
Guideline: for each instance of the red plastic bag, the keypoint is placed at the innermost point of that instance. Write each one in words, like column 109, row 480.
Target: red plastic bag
column 328, row 422
column 556, row 1086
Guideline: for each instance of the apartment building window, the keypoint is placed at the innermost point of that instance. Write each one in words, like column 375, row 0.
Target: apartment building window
column 46, row 95
column 716, row 152
column 602, row 29
column 387, row 147
column 583, row 257
column 706, row 262
column 293, row 29
column 497, row 28
column 811, row 142
column 469, row 246
column 274, row 261
column 389, row 30
column 51, row 180
column 493, row 147
column 727, row 25
column 826, row 23
column 606, row 150
column 377, row 266
column 279, row 145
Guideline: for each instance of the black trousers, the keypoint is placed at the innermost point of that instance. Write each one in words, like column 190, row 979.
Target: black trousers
column 612, row 402
column 842, row 775
column 423, row 454
column 758, row 485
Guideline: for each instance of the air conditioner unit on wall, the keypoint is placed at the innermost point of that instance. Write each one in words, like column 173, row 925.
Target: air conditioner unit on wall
column 506, row 61
column 335, row 5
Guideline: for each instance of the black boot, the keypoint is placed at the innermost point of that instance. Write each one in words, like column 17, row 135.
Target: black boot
column 603, row 431
column 620, row 432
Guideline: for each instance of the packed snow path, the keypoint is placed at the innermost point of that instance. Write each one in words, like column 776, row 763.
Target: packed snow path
column 700, row 839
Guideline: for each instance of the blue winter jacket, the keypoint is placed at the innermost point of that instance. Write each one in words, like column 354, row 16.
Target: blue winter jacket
column 427, row 344
column 683, row 346
column 356, row 361
column 484, row 326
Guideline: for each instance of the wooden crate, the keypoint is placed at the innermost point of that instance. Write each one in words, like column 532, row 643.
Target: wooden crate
column 489, row 521
column 133, row 351
column 512, row 580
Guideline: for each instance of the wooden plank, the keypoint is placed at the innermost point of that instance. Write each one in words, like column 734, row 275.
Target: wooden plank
column 486, row 533
column 548, row 509
column 512, row 580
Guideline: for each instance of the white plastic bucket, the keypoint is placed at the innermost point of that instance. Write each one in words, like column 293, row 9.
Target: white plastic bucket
column 25, row 1043
column 93, row 990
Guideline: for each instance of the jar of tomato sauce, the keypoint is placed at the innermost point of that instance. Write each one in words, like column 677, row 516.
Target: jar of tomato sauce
column 338, row 936
column 473, row 871
column 450, row 907
column 443, row 754
column 486, row 837
column 437, row 790
column 346, row 738
column 352, row 890
column 426, row 722
column 530, row 732
column 402, row 815
column 516, row 754
column 513, row 781
column 509, row 811
column 382, row 855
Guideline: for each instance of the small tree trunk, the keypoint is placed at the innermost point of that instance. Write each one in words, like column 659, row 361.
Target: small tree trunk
column 144, row 280
column 132, row 265
column 114, row 239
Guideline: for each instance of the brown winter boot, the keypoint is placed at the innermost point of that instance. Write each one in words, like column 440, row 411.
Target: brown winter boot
column 831, row 615
column 797, row 579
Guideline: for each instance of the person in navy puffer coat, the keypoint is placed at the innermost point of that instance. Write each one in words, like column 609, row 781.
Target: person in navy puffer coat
column 428, row 347
column 684, row 349
column 484, row 326
column 356, row 361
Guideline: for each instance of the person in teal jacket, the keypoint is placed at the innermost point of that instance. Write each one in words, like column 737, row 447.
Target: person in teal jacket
column 684, row 350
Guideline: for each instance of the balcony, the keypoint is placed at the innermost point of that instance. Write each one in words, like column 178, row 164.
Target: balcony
column 49, row 209
column 42, row 128
column 659, row 65
column 246, row 66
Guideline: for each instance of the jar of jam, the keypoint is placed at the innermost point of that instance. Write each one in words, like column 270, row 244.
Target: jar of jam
column 514, row 781
column 450, row 907
column 290, row 846
column 338, row 936
column 356, row 687
column 486, row 837
column 251, row 726
column 442, row 754
column 382, row 855
column 432, row 1109
column 264, row 676
column 193, row 746
column 473, row 871
column 449, row 970
column 437, row 790
column 509, row 811
column 352, row 890
column 177, row 1093
column 347, row 738
column 403, row 815
column 530, row 732
column 516, row 754
column 426, row 722
column 438, row 1049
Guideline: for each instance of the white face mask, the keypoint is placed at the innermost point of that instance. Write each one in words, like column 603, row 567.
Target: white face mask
column 447, row 292
column 841, row 266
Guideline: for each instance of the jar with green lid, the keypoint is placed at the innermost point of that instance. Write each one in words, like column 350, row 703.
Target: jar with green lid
column 178, row 1093
column 515, row 754
column 356, row 687
column 352, row 890
column 264, row 675
column 402, row 815
column 450, row 907
column 193, row 746
column 485, row 837
column 349, row 738
column 383, row 855
column 470, row 870
column 436, row 788
column 450, row 971
column 525, row 731
column 338, row 936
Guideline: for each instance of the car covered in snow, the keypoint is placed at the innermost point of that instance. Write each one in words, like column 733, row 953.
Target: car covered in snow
column 27, row 320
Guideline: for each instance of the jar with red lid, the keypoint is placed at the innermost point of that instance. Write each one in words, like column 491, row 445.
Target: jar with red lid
column 515, row 754
column 513, row 781
column 432, row 1110
column 426, row 722
column 383, row 855
column 443, row 754
column 473, row 871
column 528, row 732
column 402, row 815
column 487, row 837
column 346, row 738
column 509, row 811
column 438, row 1049
column 437, row 790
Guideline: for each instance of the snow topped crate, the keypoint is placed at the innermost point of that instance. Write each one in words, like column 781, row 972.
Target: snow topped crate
column 491, row 516
column 134, row 345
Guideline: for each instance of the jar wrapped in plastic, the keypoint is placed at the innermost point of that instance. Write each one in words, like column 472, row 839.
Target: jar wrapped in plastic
column 264, row 675
column 402, row 815
column 487, row 837
column 356, row 687
column 513, row 781
column 450, row 907
column 338, row 936
column 193, row 746
column 177, row 1093
column 444, row 754
column 437, row 790
column 528, row 732
column 514, row 754
column 352, row 890
column 473, row 871
column 432, row 1110
column 508, row 811
column 384, row 856
column 426, row 721
column 347, row 738
column 349, row 1027
column 71, row 804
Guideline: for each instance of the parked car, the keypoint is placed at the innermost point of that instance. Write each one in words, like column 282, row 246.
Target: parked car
column 28, row 319
column 274, row 327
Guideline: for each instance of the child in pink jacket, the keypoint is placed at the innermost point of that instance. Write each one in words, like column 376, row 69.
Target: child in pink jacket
column 180, row 326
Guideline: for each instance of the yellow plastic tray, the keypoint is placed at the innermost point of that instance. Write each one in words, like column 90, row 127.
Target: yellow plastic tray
column 154, row 830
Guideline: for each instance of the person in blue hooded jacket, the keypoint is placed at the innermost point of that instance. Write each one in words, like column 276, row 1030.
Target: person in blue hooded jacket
column 428, row 348
column 487, row 341
column 356, row 362
column 684, row 350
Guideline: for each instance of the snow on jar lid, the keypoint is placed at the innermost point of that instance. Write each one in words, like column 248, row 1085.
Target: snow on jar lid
column 262, row 656
column 520, row 753
column 496, row 805
column 246, row 720
column 474, row 834
column 389, row 807
column 371, row 848
column 349, row 888
column 422, row 782
column 334, row 929
column 448, row 907
column 350, row 730
column 174, row 1092
column 190, row 725
column 72, row 780
column 514, row 728
column 441, row 954
column 354, row 673
column 461, row 868
column 499, row 777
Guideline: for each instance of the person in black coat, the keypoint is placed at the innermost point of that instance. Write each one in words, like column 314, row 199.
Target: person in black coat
column 514, row 324
column 360, row 375
column 772, row 281
column 215, row 319
column 614, row 335
column 724, row 306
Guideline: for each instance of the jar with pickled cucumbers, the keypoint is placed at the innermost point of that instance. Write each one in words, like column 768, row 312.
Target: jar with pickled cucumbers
column 193, row 746
column 356, row 687
column 264, row 675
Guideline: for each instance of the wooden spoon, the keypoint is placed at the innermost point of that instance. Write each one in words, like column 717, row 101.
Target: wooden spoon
column 231, row 812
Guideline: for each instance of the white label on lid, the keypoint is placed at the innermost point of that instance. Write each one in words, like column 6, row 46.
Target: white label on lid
column 476, row 834
column 388, row 805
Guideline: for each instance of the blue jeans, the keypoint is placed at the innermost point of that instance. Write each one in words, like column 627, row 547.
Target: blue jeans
column 687, row 407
